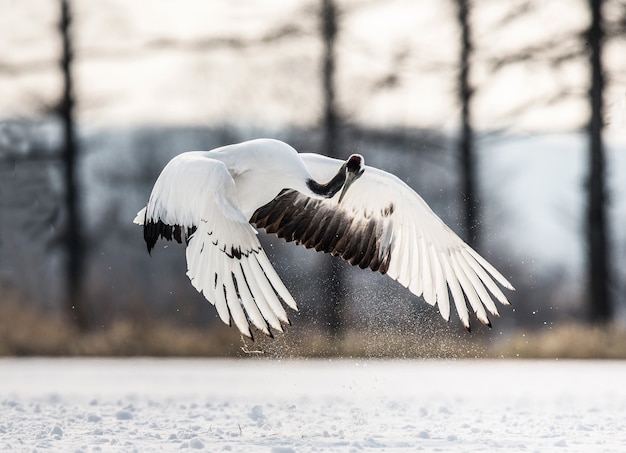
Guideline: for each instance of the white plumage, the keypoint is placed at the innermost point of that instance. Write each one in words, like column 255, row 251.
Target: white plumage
column 211, row 199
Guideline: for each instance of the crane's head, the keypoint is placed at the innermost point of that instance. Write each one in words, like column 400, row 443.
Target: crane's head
column 354, row 168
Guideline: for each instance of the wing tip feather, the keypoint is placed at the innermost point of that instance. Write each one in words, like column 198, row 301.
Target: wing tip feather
column 140, row 217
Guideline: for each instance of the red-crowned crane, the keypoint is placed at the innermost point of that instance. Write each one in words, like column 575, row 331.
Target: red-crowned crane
column 370, row 218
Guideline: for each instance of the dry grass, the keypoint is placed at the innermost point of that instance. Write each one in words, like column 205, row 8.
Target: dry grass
column 565, row 341
column 26, row 332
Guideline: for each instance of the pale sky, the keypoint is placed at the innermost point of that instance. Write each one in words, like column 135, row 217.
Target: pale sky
column 123, row 77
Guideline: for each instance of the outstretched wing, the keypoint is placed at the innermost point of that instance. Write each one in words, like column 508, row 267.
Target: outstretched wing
column 195, row 198
column 383, row 224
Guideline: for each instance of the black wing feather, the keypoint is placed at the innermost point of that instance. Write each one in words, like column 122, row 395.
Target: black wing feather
column 152, row 231
column 326, row 227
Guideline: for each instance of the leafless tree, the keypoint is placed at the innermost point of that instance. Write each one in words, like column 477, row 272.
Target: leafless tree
column 466, row 141
column 599, row 308
column 73, row 228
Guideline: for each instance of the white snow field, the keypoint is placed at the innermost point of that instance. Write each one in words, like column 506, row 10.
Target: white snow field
column 259, row 405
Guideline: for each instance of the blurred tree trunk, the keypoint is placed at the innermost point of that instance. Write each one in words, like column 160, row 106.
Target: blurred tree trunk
column 599, row 303
column 73, row 228
column 333, row 301
column 466, row 141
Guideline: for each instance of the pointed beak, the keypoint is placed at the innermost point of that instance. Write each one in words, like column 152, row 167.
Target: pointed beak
column 350, row 178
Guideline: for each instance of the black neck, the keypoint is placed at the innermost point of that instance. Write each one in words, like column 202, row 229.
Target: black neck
column 333, row 186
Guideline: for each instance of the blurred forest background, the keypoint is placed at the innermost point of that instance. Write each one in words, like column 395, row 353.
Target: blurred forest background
column 509, row 118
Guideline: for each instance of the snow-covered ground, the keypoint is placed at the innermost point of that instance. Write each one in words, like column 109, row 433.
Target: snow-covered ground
column 259, row 405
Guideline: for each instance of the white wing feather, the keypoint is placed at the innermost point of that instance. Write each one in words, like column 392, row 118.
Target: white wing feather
column 225, row 260
column 426, row 256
